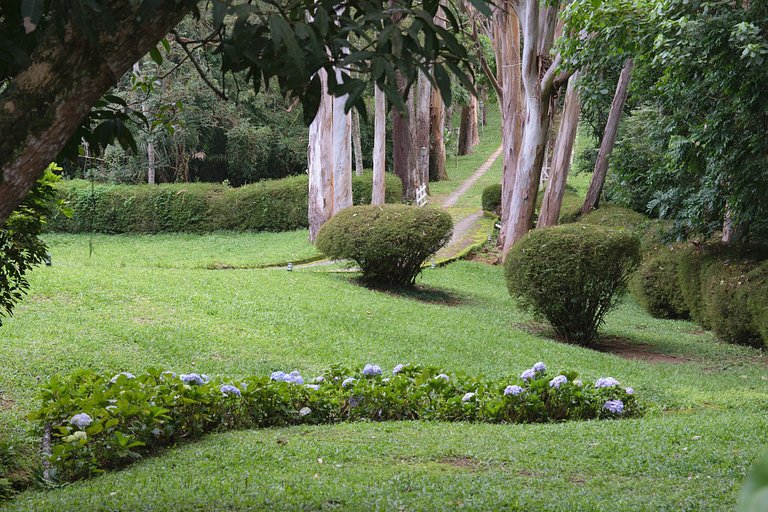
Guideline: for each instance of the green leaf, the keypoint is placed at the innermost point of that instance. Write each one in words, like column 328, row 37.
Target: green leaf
column 155, row 55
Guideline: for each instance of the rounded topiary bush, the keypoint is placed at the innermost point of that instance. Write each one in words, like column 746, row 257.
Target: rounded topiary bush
column 656, row 287
column 572, row 275
column 388, row 242
column 492, row 199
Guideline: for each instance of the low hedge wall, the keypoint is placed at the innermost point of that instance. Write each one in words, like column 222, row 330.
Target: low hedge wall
column 273, row 205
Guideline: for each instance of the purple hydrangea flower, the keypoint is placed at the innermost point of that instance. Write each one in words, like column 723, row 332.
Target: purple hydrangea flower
column 467, row 397
column 128, row 375
column 630, row 391
column 348, row 382
column 278, row 376
column 614, row 406
column 320, row 379
column 194, row 378
column 81, row 420
column 371, row 370
column 229, row 389
column 354, row 401
column 444, row 377
column 528, row 374
column 385, row 380
column 398, row 369
column 606, row 382
column 513, row 390
column 539, row 367
column 304, row 411
column 313, row 386
column 558, row 381
column 294, row 378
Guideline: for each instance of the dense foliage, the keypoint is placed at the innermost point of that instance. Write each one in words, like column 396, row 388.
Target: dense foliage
column 99, row 423
column 389, row 243
column 656, row 285
column 491, row 200
column 572, row 275
column 271, row 205
column 21, row 249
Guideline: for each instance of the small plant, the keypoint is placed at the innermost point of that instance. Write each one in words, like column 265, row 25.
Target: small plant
column 99, row 422
column 572, row 275
column 389, row 243
column 492, row 199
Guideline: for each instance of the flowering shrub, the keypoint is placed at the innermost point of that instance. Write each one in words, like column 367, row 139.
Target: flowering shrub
column 99, row 423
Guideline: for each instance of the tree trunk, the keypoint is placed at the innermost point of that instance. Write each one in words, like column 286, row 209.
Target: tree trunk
column 403, row 153
column 507, row 39
column 356, row 143
column 320, row 163
column 609, row 139
column 561, row 162
column 437, row 171
column 150, row 144
column 342, row 153
column 474, row 126
column 421, row 127
column 538, row 89
column 732, row 233
column 42, row 107
column 379, row 146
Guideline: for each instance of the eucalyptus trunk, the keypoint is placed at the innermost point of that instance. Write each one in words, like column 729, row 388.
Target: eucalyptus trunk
column 379, row 146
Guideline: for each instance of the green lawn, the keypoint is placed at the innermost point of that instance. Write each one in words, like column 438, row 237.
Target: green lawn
column 151, row 301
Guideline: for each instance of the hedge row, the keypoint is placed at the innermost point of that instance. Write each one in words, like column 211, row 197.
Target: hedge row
column 722, row 288
column 273, row 205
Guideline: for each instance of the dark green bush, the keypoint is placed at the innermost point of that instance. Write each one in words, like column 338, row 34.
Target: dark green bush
column 492, row 199
column 656, row 288
column 572, row 275
column 389, row 243
column 274, row 205
column 755, row 295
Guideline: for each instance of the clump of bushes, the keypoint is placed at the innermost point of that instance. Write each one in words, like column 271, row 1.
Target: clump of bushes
column 389, row 243
column 656, row 288
column 273, row 205
column 491, row 199
column 99, row 422
column 572, row 275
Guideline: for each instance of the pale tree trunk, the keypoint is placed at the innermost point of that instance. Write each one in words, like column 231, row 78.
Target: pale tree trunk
column 65, row 78
column 468, row 133
column 437, row 171
column 342, row 152
column 403, row 153
column 320, row 162
column 733, row 233
column 150, row 144
column 421, row 126
column 609, row 139
column 379, row 146
column 474, row 124
column 507, row 42
column 356, row 143
column 561, row 162
column 539, row 83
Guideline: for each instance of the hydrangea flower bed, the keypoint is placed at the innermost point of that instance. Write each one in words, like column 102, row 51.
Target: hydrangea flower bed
column 103, row 422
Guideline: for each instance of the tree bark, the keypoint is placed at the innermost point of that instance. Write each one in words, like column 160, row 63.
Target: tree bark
column 592, row 200
column 561, row 162
column 320, row 163
column 421, row 127
column 468, row 133
column 379, row 146
column 403, row 153
column 356, row 143
column 42, row 107
column 342, row 152
column 437, row 171
column 150, row 144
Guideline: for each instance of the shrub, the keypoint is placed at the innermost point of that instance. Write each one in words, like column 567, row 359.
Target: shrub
column 572, row 275
column 492, row 199
column 100, row 423
column 274, row 205
column 389, row 243
column 755, row 295
column 656, row 287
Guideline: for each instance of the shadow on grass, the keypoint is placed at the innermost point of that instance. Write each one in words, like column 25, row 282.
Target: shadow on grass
column 425, row 294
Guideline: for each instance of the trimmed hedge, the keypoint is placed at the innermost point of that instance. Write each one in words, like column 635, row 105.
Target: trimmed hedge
column 273, row 205
column 656, row 288
column 572, row 275
column 389, row 243
column 491, row 200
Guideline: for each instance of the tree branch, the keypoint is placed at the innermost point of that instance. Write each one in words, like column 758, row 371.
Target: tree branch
column 218, row 92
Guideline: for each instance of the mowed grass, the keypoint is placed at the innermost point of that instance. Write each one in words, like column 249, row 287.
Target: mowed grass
column 706, row 421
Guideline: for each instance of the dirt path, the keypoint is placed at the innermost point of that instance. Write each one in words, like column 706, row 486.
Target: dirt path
column 462, row 189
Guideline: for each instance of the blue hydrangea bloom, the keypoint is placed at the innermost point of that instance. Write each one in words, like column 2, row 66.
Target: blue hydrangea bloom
column 371, row 370
column 398, row 369
column 81, row 420
column 354, row 401
column 304, row 411
column 278, row 376
column 467, row 397
column 229, row 389
column 320, row 379
column 614, row 406
column 313, row 386
column 294, row 378
column 539, row 367
column 528, row 374
column 513, row 390
column 385, row 380
column 194, row 378
column 558, row 381
column 128, row 375
column 444, row 377
column 606, row 382
column 630, row 391
column 348, row 382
